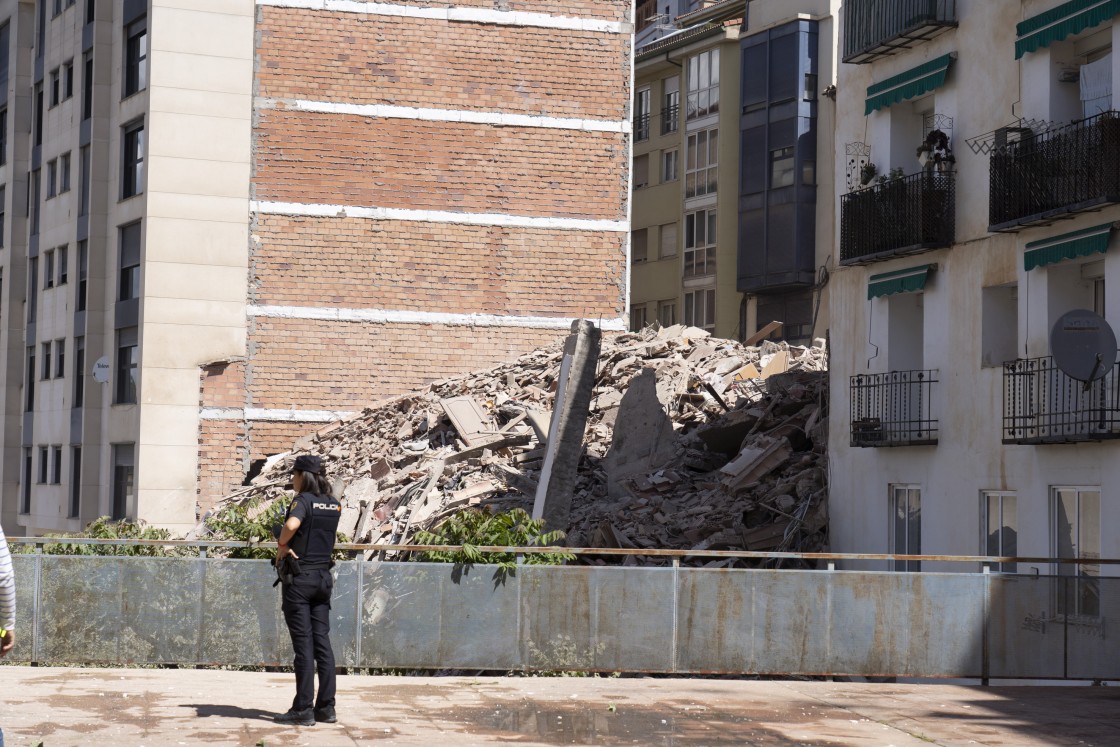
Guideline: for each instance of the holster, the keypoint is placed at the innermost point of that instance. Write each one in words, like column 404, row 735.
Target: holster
column 286, row 570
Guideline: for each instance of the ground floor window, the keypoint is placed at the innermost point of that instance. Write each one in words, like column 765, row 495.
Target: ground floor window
column 999, row 527
column 906, row 525
column 1075, row 532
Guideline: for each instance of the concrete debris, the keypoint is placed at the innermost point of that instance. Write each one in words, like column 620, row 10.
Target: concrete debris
column 692, row 443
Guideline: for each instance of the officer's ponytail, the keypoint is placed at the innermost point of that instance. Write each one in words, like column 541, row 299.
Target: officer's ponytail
column 317, row 484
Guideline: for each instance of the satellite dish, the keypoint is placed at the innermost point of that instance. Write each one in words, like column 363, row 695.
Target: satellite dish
column 1083, row 345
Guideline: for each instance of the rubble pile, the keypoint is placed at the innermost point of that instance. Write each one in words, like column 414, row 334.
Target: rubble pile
column 692, row 442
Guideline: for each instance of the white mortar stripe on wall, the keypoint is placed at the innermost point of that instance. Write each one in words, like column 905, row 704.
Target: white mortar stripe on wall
column 389, row 316
column 315, row 210
column 501, row 119
column 463, row 15
column 257, row 413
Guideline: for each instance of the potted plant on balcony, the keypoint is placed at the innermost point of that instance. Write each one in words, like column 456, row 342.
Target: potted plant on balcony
column 935, row 153
column 867, row 173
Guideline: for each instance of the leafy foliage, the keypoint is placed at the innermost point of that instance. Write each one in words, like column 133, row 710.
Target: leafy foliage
column 248, row 522
column 473, row 529
column 106, row 528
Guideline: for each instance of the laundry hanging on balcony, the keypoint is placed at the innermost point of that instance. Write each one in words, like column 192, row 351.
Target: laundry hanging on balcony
column 910, row 280
column 1067, row 246
column 910, row 84
column 1042, row 30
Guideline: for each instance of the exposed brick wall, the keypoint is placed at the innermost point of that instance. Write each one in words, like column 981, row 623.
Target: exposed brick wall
column 418, row 266
column 609, row 10
column 473, row 66
column 223, row 385
column 343, row 159
column 275, row 437
column 222, row 460
column 314, row 365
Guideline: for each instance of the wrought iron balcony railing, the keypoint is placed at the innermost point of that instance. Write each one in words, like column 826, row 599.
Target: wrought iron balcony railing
column 641, row 127
column 1043, row 177
column 893, row 409
column 876, row 28
column 669, row 116
column 899, row 216
column 1041, row 404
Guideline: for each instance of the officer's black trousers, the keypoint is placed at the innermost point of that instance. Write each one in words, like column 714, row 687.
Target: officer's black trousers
column 307, row 610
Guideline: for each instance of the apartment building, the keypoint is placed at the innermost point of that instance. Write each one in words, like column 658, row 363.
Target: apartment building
column 222, row 229
column 989, row 214
column 725, row 229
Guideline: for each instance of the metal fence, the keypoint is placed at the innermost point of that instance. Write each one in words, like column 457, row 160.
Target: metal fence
column 1041, row 404
column 874, row 28
column 131, row 610
column 1044, row 176
column 898, row 216
column 893, row 408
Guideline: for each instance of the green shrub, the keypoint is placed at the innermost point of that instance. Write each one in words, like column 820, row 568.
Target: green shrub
column 247, row 522
column 106, row 528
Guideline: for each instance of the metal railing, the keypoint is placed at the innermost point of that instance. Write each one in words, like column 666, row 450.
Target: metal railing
column 1044, row 176
column 641, row 127
column 874, row 28
column 893, row 409
column 898, row 216
column 669, row 117
column 674, row 619
column 1041, row 404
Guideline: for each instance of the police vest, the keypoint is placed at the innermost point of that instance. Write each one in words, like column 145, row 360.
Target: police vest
column 314, row 540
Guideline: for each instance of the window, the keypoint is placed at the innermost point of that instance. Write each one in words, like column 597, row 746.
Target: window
column 639, row 245
column 1095, row 79
column 55, row 87
column 669, row 165
column 136, row 57
column 56, row 465
column 83, row 274
column 83, row 196
column 45, row 367
column 999, row 327
column 59, row 359
column 38, row 114
column 637, row 317
column 25, row 488
column 32, row 288
column 64, row 173
column 999, row 527
column 44, row 464
column 63, row 253
column 79, row 371
column 33, row 204
column 75, row 506
column 75, row 482
column 132, row 172
column 699, row 243
column 48, row 269
column 1075, row 524
column 906, row 525
column 700, row 309
column 124, row 477
column 52, row 178
column 667, row 313
column 128, row 360
column 91, row 10
column 700, row 163
column 68, row 80
column 29, row 380
column 670, row 104
column 641, row 115
column 3, row 136
column 128, row 286
column 703, row 85
column 668, row 240
column 57, row 7
column 641, row 171
column 781, row 168
column 87, row 86
column 3, row 213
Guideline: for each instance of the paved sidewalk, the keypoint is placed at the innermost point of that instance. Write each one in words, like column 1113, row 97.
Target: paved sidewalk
column 151, row 707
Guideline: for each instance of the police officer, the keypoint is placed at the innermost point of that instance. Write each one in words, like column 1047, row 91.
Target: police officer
column 308, row 535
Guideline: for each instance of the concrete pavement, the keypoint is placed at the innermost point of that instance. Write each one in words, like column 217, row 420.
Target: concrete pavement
column 150, row 707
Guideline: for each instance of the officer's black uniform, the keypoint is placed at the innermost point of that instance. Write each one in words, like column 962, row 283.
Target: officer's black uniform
column 307, row 599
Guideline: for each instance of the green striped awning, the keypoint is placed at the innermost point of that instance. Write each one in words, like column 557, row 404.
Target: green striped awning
column 920, row 80
column 900, row 281
column 1038, row 32
column 1067, row 246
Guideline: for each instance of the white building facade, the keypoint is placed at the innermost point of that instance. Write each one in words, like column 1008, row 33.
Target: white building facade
column 952, row 429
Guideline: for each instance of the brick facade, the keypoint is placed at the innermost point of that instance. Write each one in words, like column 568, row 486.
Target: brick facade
column 607, row 10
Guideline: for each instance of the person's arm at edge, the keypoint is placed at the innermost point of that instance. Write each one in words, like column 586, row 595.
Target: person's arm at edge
column 7, row 597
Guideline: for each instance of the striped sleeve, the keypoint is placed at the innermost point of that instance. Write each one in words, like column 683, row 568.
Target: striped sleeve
column 7, row 586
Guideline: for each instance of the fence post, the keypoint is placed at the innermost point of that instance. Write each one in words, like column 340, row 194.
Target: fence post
column 985, row 645
column 676, row 614
column 359, row 605
column 36, row 644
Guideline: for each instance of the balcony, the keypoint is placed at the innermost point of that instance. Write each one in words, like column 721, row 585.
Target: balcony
column 901, row 216
column 893, row 409
column 1042, row 405
column 878, row 28
column 1042, row 178
column 641, row 127
column 669, row 117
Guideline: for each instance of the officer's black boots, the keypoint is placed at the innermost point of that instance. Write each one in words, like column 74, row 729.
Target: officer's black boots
column 325, row 715
column 298, row 718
